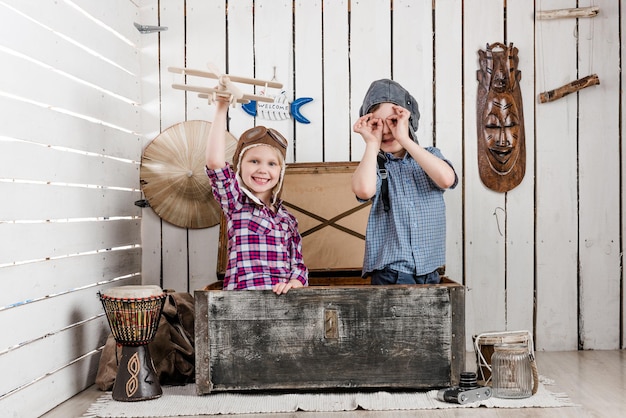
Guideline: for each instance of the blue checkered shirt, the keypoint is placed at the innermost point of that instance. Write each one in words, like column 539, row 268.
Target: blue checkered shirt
column 411, row 237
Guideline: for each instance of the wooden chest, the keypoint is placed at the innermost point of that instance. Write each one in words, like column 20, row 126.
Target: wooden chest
column 340, row 332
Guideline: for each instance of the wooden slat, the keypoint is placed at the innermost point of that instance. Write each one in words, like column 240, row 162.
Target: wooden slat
column 336, row 118
column 51, row 388
column 33, row 162
column 64, row 19
column 241, row 58
column 116, row 16
column 598, row 242
column 29, row 122
column 61, row 347
column 208, row 22
column 273, row 59
column 485, row 223
column 448, row 129
column 520, row 202
column 69, row 273
column 370, row 57
column 55, row 313
column 151, row 223
column 623, row 177
column 63, row 202
column 65, row 56
column 48, row 88
column 556, row 196
column 309, row 81
column 174, row 261
column 412, row 58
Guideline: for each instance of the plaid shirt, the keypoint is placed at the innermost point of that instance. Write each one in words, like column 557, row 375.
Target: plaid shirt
column 411, row 237
column 264, row 248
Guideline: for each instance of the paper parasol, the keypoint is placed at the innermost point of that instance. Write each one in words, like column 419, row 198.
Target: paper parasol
column 173, row 179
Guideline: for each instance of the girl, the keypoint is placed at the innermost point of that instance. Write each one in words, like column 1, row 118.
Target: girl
column 264, row 245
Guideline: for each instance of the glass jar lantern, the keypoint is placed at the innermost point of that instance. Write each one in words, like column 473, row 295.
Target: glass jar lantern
column 512, row 376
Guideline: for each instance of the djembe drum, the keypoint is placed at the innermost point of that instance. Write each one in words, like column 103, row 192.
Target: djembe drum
column 133, row 313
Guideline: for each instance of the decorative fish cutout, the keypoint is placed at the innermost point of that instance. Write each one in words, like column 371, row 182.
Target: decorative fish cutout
column 280, row 109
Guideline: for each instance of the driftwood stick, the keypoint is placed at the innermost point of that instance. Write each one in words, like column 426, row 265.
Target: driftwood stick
column 565, row 13
column 574, row 86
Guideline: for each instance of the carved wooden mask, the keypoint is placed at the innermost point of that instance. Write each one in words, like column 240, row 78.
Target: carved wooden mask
column 500, row 119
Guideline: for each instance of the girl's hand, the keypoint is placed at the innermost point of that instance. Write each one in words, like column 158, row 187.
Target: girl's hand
column 283, row 287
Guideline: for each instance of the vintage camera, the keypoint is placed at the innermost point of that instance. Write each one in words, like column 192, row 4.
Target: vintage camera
column 468, row 391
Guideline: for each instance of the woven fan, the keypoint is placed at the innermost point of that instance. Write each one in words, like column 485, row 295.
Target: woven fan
column 173, row 179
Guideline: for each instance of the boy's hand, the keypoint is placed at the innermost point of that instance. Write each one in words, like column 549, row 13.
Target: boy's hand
column 370, row 128
column 398, row 124
column 282, row 287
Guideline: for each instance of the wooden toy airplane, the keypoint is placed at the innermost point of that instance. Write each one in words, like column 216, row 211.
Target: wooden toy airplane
column 225, row 87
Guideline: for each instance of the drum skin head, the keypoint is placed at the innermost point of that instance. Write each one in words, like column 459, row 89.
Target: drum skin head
column 133, row 292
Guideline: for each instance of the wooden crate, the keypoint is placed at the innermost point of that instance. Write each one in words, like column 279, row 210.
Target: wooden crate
column 330, row 337
column 340, row 332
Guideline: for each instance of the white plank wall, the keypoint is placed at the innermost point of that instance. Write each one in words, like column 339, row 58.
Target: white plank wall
column 82, row 94
column 69, row 167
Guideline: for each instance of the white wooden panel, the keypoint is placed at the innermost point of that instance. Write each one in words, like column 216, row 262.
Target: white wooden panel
column 308, row 82
column 206, row 43
column 40, row 202
column 370, row 56
column 150, row 128
column 622, row 39
column 119, row 16
column 59, row 89
column 448, row 129
column 54, row 239
column 151, row 259
column 337, row 126
column 65, row 20
column 241, row 58
column 207, row 22
column 599, row 165
column 172, row 54
column 27, row 161
column 55, row 313
column 43, row 125
column 203, row 257
column 556, row 194
column 273, row 57
column 40, row 44
column 26, row 362
column 51, row 389
column 520, row 202
column 484, row 225
column 412, row 60
column 49, row 88
column 69, row 273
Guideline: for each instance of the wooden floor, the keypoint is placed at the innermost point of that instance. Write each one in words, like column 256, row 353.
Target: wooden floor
column 594, row 380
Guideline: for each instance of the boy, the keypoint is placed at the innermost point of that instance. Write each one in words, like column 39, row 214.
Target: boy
column 405, row 238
